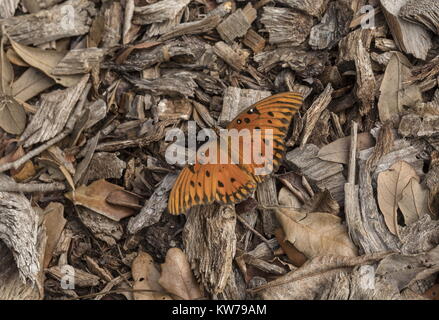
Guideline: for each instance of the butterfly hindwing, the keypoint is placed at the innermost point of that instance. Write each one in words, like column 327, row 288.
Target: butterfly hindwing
column 223, row 184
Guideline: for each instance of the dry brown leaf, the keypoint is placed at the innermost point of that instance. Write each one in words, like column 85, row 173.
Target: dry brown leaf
column 12, row 115
column 25, row 172
column 414, row 202
column 15, row 58
column 46, row 61
column 146, row 277
column 6, row 72
column 125, row 199
column 338, row 151
column 94, row 197
column 177, row 276
column 314, row 233
column 391, row 184
column 144, row 45
column 394, row 93
column 295, row 256
column 54, row 222
column 31, row 83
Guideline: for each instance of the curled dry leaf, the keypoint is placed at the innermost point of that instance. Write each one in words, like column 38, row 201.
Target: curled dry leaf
column 54, row 222
column 394, row 95
column 414, row 202
column 177, row 276
column 316, row 233
column 94, row 197
column 313, row 233
column 338, row 151
column 391, row 184
column 46, row 61
column 6, row 72
column 146, row 277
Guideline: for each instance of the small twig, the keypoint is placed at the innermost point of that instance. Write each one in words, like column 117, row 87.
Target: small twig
column 292, row 189
column 353, row 153
column 31, row 187
column 260, row 236
column 19, row 162
column 92, row 295
column 307, row 186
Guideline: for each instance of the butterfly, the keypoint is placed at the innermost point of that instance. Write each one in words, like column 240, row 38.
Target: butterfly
column 235, row 181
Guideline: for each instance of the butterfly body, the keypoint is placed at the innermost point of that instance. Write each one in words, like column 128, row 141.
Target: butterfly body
column 232, row 175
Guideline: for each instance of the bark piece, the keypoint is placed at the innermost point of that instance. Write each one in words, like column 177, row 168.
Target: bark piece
column 314, row 8
column 159, row 11
column 112, row 25
column 237, row 24
column 154, row 206
column 82, row 278
column 323, row 174
column 178, row 83
column 53, row 113
column 69, row 19
column 13, row 287
column 424, row 12
column 236, row 100
column 7, row 8
column 365, row 79
column 191, row 49
column 334, row 26
column 313, row 113
column 192, row 28
column 100, row 226
column 235, row 58
column 19, row 231
column 286, row 25
column 266, row 195
column 307, row 64
column 254, row 41
column 410, row 38
column 348, row 46
column 413, row 125
column 104, row 165
column 79, row 61
column 211, row 253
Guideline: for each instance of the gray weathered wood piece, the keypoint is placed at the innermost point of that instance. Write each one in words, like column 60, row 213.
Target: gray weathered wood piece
column 285, row 25
column 71, row 18
column 236, row 100
column 322, row 174
column 211, row 252
column 19, row 231
column 53, row 113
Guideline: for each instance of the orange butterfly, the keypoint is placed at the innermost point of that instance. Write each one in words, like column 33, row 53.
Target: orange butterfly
column 235, row 181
